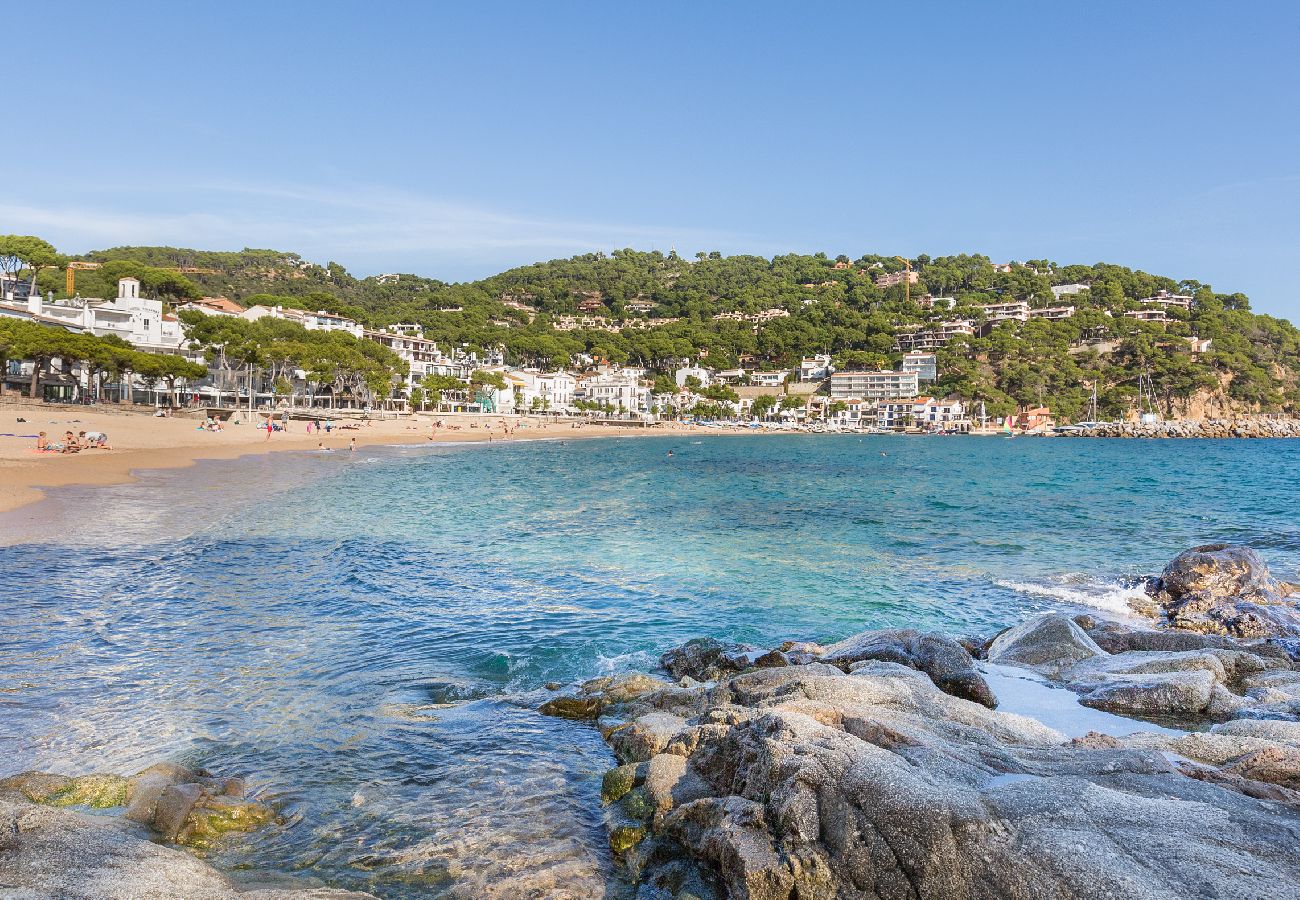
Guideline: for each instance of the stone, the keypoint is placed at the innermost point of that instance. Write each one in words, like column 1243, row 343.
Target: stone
column 801, row 781
column 580, row 708
column 1174, row 695
column 619, row 780
column 172, row 811
column 947, row 663
column 215, row 816
column 1048, row 644
column 1225, row 589
column 705, row 659
column 58, row 854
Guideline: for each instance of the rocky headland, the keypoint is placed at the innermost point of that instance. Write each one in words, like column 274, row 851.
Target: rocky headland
column 1247, row 427
column 884, row 766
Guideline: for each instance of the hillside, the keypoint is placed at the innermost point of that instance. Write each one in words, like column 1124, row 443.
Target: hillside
column 657, row 310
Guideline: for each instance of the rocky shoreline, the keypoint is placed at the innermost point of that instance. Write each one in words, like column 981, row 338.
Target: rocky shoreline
column 881, row 766
column 1251, row 427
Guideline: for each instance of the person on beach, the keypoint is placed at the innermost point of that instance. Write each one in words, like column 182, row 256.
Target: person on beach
column 353, row 445
column 42, row 443
column 269, row 427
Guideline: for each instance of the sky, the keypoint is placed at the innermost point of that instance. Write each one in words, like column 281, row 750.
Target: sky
column 457, row 140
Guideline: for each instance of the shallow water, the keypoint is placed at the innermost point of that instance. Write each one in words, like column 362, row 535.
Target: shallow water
column 367, row 635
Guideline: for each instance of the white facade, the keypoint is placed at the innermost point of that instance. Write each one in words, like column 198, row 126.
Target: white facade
column 1004, row 312
column 137, row 320
column 768, row 379
column 1068, row 290
column 312, row 321
column 883, row 385
column 925, row 365
column 616, row 390
column 815, row 368
column 1052, row 313
column 1166, row 300
column 704, row 375
column 923, row 412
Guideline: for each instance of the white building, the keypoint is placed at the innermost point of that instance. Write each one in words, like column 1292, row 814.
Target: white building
column 768, row 379
column 1166, row 300
column 699, row 372
column 542, row 391
column 884, row 385
column 1068, row 290
column 815, row 368
column 922, row 412
column 617, row 390
column 931, row 302
column 1149, row 315
column 1052, row 313
column 933, row 338
column 312, row 321
column 1004, row 312
column 137, row 320
column 925, row 365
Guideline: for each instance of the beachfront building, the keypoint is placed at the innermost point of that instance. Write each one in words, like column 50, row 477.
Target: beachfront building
column 889, row 279
column 883, row 385
column 925, row 365
column 815, row 368
column 312, row 321
column 137, row 320
column 1167, row 300
column 934, row 337
column 421, row 356
column 1017, row 311
column 1036, row 418
column 616, row 390
column 537, row 391
column 948, row 414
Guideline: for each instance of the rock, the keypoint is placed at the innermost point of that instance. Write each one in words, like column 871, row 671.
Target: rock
column 58, row 854
column 705, row 659
column 148, row 786
column 801, row 653
column 647, row 735
column 172, row 811
column 621, row 779
column 1048, row 644
column 95, row 791
column 1178, row 695
column 1225, row 589
column 1276, row 765
column 947, row 663
column 573, row 707
column 215, row 816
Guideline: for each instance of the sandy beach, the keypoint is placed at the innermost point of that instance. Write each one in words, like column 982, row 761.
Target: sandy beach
column 140, row 440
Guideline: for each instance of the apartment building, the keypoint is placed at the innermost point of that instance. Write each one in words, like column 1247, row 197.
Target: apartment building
column 883, row 385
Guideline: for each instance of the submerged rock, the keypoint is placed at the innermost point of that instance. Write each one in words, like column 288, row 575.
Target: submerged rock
column 1225, row 589
column 58, row 854
column 947, row 662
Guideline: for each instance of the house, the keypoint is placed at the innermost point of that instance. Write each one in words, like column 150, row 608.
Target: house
column 889, row 279
column 1149, row 315
column 1199, row 345
column 591, row 303
column 934, row 337
column 698, row 372
column 948, row 414
column 1004, row 312
column 729, row 376
column 1003, row 268
column 421, row 356
column 1038, row 418
column 312, row 321
column 1052, row 313
column 815, row 368
column 925, row 365
column 1068, row 290
column 1166, row 300
column 768, row 379
column 212, row 306
column 640, row 306
column 389, row 278
column 883, row 385
column 841, row 264
column 618, row 390
column 929, row 301
column 137, row 320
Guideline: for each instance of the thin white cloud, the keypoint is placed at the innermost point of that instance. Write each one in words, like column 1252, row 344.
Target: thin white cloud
column 354, row 225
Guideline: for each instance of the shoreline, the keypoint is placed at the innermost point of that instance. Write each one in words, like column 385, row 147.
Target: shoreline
column 143, row 442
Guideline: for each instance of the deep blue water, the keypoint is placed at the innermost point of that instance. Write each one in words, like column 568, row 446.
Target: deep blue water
column 367, row 635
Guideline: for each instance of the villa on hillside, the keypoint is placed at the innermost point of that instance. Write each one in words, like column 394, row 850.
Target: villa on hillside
column 312, row 321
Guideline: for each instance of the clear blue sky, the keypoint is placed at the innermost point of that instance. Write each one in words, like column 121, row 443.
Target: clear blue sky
column 457, row 140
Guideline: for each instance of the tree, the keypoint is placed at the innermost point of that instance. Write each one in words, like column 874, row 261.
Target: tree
column 762, row 405
column 25, row 251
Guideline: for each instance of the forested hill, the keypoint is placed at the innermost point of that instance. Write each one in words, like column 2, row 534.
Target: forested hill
column 657, row 310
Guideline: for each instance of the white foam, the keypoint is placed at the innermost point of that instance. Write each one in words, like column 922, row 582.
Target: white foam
column 1076, row 590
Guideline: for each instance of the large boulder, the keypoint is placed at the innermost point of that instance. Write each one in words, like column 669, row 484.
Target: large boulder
column 947, row 662
column 1225, row 589
column 1048, row 644
column 807, row 782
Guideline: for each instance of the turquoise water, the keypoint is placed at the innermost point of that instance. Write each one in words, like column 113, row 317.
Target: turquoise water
column 367, row 635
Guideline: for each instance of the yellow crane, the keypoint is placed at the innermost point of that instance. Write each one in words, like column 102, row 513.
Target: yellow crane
column 907, row 282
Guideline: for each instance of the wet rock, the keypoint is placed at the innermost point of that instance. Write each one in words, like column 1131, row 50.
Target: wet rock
column 58, row 854
column 172, row 811
column 588, row 708
column 1225, row 589
column 1175, row 695
column 619, row 780
column 647, row 735
column 1048, row 644
column 947, row 663
column 95, row 791
column 705, row 659
column 801, row 653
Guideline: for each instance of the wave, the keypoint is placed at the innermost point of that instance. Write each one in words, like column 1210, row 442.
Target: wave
column 1076, row 589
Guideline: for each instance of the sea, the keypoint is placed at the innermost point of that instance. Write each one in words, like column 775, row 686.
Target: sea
column 366, row 636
